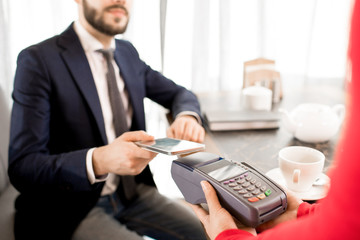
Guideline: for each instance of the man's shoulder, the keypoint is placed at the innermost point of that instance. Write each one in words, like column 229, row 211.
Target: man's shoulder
column 126, row 47
column 54, row 42
column 123, row 43
column 43, row 43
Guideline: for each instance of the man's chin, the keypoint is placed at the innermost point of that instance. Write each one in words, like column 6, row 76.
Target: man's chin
column 113, row 29
column 118, row 25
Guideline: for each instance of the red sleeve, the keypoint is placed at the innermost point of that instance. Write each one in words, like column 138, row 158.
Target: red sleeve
column 234, row 234
column 337, row 217
column 306, row 209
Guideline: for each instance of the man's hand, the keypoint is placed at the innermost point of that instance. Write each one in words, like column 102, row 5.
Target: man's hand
column 123, row 156
column 217, row 219
column 187, row 128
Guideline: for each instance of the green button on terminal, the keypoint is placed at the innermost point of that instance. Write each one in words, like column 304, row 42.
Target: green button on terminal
column 268, row 192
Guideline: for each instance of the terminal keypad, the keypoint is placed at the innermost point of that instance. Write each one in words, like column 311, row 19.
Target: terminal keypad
column 249, row 186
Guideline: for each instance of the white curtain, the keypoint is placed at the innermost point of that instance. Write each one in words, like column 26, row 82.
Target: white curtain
column 207, row 41
column 5, row 60
column 4, row 96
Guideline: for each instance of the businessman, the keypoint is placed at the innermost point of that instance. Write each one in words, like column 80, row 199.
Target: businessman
column 78, row 109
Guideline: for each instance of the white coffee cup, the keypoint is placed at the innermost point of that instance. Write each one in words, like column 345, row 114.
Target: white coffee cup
column 300, row 167
column 257, row 98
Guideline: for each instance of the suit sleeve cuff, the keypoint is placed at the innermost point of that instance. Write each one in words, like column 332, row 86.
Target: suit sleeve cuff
column 190, row 113
column 90, row 171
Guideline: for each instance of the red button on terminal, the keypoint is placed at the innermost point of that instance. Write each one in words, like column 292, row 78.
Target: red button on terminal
column 253, row 199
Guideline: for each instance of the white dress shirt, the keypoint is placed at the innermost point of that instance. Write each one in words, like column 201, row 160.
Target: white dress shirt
column 98, row 68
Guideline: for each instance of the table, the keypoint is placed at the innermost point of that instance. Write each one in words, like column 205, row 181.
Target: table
column 260, row 147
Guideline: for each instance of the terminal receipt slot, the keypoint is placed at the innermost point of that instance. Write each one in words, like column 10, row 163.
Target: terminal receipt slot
column 246, row 193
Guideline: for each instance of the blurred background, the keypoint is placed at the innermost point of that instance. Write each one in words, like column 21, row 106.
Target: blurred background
column 194, row 42
column 199, row 44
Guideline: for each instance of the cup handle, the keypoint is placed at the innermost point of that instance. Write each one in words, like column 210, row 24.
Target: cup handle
column 296, row 176
column 339, row 109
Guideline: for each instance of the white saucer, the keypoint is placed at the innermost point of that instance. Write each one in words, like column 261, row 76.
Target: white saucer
column 315, row 193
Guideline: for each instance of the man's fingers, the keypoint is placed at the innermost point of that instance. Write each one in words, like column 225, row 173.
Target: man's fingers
column 189, row 133
column 145, row 154
column 136, row 136
column 211, row 197
column 170, row 133
column 179, row 130
column 198, row 135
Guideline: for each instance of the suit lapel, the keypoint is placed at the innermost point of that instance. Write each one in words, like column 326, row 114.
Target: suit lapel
column 75, row 58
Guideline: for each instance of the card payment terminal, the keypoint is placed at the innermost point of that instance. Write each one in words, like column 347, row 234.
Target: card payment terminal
column 246, row 193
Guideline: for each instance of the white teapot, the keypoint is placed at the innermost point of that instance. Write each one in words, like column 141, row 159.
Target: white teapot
column 312, row 122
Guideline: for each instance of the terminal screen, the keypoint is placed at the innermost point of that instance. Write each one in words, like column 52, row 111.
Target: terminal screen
column 226, row 172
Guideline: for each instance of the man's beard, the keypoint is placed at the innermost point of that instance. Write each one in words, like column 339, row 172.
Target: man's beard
column 99, row 23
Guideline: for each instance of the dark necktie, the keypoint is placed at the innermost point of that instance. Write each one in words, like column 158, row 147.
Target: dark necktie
column 120, row 124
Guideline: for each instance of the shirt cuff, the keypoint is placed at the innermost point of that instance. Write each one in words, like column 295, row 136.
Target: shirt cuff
column 190, row 113
column 90, row 170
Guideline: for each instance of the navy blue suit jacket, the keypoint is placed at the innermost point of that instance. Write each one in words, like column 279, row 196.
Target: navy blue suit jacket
column 57, row 118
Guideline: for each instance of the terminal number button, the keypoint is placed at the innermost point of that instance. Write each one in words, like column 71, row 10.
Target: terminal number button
column 242, row 191
column 248, row 195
